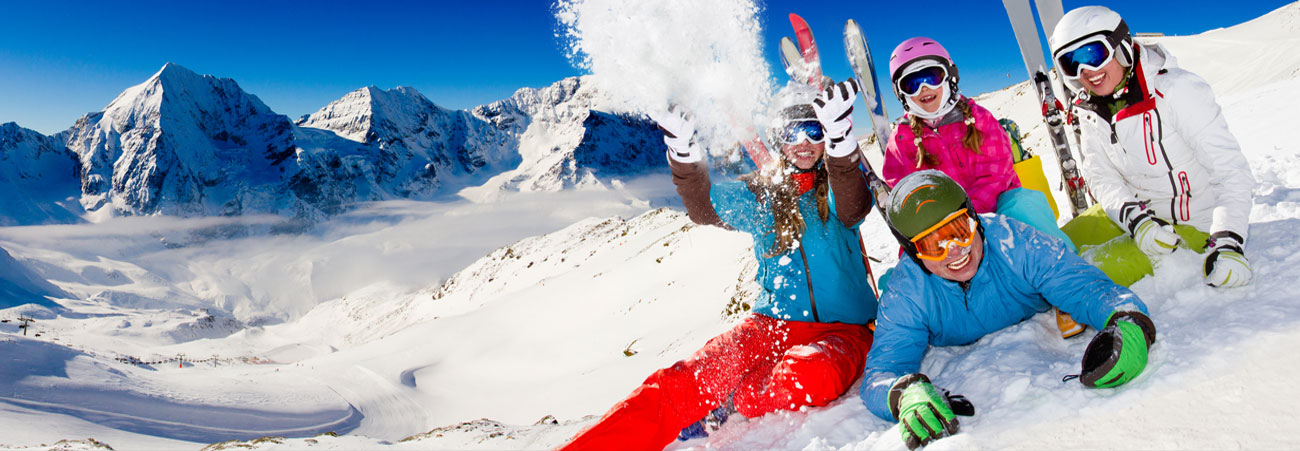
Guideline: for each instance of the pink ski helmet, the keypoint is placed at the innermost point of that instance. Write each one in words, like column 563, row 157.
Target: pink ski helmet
column 915, row 49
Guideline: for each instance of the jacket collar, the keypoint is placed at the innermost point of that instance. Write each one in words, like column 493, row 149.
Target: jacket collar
column 954, row 116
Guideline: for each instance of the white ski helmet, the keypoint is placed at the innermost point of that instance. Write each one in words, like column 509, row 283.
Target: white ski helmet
column 1086, row 23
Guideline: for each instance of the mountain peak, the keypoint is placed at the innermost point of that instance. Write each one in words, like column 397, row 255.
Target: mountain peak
column 175, row 72
column 399, row 94
column 12, row 132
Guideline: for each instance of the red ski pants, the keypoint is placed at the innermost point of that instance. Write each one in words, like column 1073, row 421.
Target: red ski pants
column 763, row 364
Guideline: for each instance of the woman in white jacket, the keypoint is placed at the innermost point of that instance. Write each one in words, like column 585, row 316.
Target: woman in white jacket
column 1156, row 154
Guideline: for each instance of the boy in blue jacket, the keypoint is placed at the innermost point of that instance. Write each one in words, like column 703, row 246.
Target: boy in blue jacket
column 969, row 275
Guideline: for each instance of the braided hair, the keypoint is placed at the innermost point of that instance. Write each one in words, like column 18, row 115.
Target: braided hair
column 972, row 140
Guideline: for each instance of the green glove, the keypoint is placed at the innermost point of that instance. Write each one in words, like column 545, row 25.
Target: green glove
column 922, row 411
column 1119, row 352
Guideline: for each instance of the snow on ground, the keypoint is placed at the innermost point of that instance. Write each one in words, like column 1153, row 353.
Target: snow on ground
column 364, row 327
column 165, row 290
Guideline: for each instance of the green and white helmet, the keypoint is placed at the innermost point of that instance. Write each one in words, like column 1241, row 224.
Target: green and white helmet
column 919, row 201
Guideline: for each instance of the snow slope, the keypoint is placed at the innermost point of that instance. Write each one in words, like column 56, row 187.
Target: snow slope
column 1244, row 57
column 381, row 324
column 39, row 178
column 19, row 285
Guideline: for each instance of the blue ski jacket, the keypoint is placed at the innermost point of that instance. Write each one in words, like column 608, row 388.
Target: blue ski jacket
column 824, row 280
column 1023, row 272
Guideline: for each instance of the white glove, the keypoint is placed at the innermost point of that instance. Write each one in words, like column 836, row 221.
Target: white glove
column 1226, row 264
column 1153, row 235
column 834, row 108
column 678, row 133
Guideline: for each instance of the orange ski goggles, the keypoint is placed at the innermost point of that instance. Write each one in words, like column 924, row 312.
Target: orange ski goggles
column 956, row 229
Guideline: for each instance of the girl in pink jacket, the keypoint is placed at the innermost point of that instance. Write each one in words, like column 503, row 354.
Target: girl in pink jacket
column 945, row 130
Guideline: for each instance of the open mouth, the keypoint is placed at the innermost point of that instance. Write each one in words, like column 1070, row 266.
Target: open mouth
column 960, row 263
column 1097, row 79
column 803, row 154
column 929, row 98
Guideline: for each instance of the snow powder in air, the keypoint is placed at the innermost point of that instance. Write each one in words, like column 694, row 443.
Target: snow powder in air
column 706, row 57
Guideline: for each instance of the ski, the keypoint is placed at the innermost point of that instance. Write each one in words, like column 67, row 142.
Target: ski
column 753, row 145
column 808, row 48
column 1031, row 50
column 1049, row 13
column 793, row 61
column 864, row 69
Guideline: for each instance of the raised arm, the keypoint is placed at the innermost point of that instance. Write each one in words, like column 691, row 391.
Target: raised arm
column 834, row 108
column 692, row 180
column 690, row 170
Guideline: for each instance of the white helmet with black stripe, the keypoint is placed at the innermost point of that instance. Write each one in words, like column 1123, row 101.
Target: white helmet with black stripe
column 1087, row 24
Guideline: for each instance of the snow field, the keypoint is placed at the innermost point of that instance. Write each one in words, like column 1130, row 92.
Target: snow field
column 345, row 319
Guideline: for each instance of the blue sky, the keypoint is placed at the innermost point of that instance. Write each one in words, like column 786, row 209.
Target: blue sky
column 60, row 60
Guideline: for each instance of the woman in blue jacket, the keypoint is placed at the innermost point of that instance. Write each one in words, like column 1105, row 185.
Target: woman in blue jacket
column 807, row 339
column 969, row 275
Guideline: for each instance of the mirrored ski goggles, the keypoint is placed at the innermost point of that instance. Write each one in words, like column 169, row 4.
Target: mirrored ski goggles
column 1091, row 55
column 912, row 82
column 796, row 132
column 956, row 229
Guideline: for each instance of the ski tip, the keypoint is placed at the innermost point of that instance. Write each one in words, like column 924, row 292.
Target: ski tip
column 797, row 20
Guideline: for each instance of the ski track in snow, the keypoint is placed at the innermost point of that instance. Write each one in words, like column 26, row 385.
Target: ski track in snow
column 566, row 324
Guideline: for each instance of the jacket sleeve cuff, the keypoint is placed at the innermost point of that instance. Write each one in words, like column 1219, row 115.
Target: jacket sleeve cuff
column 841, row 147
column 1141, row 319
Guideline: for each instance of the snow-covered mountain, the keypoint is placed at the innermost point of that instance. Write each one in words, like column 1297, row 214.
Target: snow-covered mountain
column 38, row 176
column 416, row 145
column 197, row 145
column 566, row 140
column 183, row 143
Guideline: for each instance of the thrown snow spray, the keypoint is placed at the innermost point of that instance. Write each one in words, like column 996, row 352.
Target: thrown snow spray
column 703, row 56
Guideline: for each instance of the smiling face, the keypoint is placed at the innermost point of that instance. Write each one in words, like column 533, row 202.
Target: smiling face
column 929, row 99
column 805, row 154
column 1102, row 82
column 961, row 263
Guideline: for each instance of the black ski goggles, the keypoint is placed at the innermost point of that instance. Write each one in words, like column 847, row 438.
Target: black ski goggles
column 796, row 132
column 912, row 82
column 1091, row 55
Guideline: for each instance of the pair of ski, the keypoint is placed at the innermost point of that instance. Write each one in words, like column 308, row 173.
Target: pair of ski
column 1031, row 50
column 803, row 63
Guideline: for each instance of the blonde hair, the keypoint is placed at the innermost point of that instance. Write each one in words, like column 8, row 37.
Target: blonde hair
column 972, row 140
column 782, row 198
